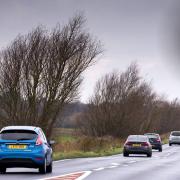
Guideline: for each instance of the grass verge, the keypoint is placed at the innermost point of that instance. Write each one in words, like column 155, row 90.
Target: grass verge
column 82, row 154
column 71, row 144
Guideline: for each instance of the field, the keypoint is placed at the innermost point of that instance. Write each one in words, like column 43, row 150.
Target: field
column 72, row 144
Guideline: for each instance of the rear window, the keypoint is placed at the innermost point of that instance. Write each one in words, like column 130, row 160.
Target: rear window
column 137, row 138
column 18, row 135
column 175, row 133
column 152, row 136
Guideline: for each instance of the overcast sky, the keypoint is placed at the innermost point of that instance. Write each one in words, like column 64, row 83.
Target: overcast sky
column 131, row 30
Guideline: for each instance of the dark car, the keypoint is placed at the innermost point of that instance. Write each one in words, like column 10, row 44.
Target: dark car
column 155, row 141
column 137, row 144
column 24, row 146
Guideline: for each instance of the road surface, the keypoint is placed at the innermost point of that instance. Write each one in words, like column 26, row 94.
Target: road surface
column 162, row 166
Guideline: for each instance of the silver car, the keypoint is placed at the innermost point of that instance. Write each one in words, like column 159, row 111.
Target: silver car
column 174, row 138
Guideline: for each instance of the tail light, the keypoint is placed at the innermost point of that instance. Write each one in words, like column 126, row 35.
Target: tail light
column 158, row 140
column 39, row 141
column 128, row 144
column 145, row 144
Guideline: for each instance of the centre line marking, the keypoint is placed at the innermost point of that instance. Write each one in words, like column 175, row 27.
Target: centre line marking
column 110, row 167
column 115, row 164
column 99, row 169
column 131, row 162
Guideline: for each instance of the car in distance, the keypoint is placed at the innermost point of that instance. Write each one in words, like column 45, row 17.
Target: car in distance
column 24, row 146
column 174, row 138
column 137, row 144
column 155, row 141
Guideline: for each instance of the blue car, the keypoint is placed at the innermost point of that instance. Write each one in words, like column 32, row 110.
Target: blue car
column 25, row 146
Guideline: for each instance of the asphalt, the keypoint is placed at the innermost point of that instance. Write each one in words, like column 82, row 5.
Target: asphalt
column 162, row 166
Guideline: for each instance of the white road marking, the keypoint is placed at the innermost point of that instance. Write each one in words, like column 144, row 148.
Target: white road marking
column 98, row 169
column 110, row 167
column 115, row 164
column 125, row 165
column 131, row 162
column 87, row 173
column 62, row 160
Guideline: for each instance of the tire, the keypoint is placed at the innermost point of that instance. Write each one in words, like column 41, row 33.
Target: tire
column 170, row 144
column 42, row 169
column 160, row 149
column 2, row 170
column 49, row 168
column 125, row 154
column 149, row 155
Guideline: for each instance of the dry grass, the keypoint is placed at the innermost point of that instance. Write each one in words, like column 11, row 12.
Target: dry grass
column 71, row 144
column 165, row 138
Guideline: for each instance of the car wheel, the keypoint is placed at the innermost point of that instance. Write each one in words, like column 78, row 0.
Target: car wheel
column 170, row 144
column 160, row 149
column 42, row 169
column 2, row 170
column 149, row 155
column 49, row 168
column 125, row 154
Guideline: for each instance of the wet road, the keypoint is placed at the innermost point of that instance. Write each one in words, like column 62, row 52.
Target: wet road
column 162, row 166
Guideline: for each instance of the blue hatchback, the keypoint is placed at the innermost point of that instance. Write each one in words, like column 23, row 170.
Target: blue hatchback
column 24, row 146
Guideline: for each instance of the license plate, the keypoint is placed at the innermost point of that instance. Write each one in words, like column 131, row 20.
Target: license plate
column 136, row 145
column 17, row 146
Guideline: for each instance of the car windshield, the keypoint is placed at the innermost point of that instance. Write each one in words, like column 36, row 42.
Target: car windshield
column 138, row 138
column 18, row 135
column 152, row 136
column 175, row 133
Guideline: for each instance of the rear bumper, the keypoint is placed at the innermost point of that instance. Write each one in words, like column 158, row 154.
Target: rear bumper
column 138, row 150
column 156, row 146
column 22, row 159
column 19, row 162
column 173, row 141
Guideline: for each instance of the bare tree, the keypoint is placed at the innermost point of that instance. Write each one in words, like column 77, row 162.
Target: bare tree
column 121, row 105
column 41, row 71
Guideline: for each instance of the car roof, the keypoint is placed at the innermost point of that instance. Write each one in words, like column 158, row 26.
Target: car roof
column 137, row 136
column 30, row 128
column 151, row 134
column 174, row 131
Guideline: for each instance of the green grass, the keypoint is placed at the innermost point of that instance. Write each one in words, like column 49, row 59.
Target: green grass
column 82, row 154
